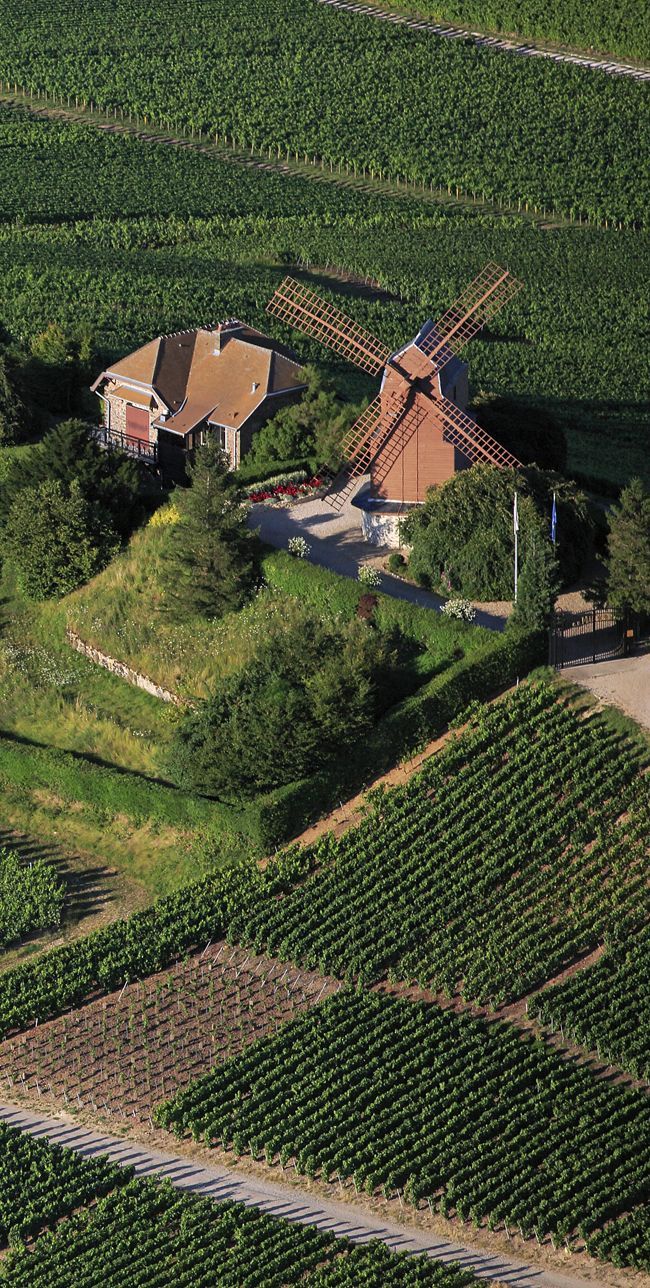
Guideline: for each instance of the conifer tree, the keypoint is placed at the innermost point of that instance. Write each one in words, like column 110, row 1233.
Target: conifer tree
column 628, row 562
column 209, row 563
column 55, row 540
column 538, row 585
column 108, row 481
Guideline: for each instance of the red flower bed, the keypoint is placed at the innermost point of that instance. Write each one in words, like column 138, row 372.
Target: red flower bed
column 292, row 490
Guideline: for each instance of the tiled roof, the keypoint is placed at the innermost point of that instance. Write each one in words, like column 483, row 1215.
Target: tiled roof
column 220, row 374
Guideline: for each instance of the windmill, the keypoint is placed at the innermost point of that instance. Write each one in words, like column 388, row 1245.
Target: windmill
column 411, row 436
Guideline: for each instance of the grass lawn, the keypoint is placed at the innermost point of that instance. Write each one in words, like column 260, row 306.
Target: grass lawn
column 53, row 696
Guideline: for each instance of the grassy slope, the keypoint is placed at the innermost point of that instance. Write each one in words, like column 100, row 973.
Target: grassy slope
column 121, row 612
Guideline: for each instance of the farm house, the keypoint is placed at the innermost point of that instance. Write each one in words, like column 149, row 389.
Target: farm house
column 160, row 401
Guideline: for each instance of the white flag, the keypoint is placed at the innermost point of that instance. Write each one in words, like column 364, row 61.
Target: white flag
column 515, row 516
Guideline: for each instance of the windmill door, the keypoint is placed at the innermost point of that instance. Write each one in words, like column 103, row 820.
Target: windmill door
column 137, row 423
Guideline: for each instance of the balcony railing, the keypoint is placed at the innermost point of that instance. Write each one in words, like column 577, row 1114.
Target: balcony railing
column 138, row 448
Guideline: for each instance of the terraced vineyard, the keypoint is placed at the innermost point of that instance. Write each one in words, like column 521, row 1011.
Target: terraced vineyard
column 403, row 1097
column 517, row 850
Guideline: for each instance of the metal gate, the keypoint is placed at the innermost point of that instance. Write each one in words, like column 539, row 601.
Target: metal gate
column 596, row 635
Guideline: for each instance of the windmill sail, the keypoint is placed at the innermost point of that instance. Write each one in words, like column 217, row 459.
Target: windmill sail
column 489, row 292
column 364, row 442
column 306, row 311
column 477, row 445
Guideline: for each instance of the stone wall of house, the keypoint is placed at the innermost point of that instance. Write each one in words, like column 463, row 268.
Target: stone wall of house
column 123, row 671
column 118, row 416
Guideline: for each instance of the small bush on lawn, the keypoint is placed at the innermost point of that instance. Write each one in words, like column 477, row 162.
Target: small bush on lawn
column 396, row 562
column 369, row 577
column 462, row 609
column 299, row 547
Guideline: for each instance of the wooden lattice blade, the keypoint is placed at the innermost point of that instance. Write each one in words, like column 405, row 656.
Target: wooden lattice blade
column 301, row 308
column 477, row 445
column 486, row 295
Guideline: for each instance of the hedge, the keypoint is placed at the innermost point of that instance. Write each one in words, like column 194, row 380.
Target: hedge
column 247, row 474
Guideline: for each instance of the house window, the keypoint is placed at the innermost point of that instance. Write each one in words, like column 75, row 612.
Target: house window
column 221, row 431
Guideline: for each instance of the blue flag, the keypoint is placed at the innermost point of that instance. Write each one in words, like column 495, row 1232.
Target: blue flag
column 553, row 520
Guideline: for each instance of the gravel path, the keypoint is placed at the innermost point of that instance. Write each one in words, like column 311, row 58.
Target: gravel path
column 598, row 63
column 343, row 1219
column 624, row 682
column 337, row 543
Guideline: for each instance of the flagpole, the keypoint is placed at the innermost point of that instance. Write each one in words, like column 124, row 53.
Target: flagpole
column 515, row 517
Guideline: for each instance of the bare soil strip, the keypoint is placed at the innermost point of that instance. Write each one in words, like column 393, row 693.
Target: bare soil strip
column 127, row 1052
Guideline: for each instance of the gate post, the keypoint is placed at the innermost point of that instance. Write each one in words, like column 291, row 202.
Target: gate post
column 593, row 635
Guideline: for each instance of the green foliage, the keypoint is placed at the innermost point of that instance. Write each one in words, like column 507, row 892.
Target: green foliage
column 463, row 539
column 611, row 26
column 628, row 563
column 606, row 1008
column 396, row 562
column 40, row 1183
column 31, row 896
column 559, row 136
column 313, row 427
column 248, row 474
column 69, row 453
column 209, row 563
column 537, row 586
column 183, row 1238
column 625, row 1242
column 530, row 433
column 60, row 367
column 15, row 420
column 312, row 690
column 365, row 1085
column 54, row 540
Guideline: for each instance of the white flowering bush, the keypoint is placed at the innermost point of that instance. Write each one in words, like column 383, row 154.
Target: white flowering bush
column 299, row 547
column 369, row 577
column 462, row 609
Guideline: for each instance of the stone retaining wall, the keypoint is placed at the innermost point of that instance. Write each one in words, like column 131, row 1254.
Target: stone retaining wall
column 123, row 671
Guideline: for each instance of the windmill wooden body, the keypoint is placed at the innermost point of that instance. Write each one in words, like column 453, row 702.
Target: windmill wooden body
column 416, row 433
